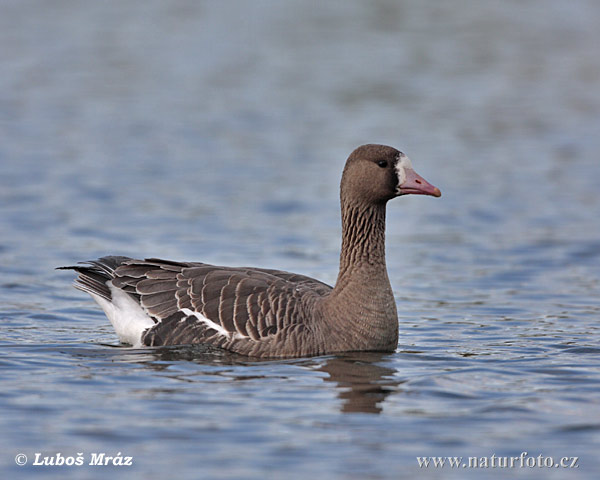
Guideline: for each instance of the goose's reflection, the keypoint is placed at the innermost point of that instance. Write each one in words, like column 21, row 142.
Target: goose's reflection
column 362, row 381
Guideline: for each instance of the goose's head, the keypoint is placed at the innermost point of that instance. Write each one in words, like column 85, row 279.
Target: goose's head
column 378, row 173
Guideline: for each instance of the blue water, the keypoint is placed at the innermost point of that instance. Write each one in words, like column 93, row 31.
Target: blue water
column 217, row 132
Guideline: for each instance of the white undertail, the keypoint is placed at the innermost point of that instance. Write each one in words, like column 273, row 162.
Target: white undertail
column 128, row 318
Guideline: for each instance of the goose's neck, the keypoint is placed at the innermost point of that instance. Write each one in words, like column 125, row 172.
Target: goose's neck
column 363, row 243
column 362, row 293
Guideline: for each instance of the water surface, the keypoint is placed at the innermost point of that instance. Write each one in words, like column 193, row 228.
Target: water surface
column 217, row 131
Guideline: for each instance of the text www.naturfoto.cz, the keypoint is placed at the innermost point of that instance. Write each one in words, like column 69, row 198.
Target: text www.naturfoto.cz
column 493, row 461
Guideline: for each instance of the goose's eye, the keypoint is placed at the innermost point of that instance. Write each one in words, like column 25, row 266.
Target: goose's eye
column 382, row 163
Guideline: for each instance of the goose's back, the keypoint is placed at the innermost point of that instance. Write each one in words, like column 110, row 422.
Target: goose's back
column 248, row 310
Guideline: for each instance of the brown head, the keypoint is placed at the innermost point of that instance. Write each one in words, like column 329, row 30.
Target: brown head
column 375, row 174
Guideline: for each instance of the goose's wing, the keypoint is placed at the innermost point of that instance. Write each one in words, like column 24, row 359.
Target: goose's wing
column 201, row 303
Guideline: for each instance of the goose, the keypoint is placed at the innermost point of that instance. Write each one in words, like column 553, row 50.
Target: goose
column 268, row 313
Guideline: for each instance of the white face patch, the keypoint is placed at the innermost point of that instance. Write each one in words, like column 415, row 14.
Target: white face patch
column 402, row 165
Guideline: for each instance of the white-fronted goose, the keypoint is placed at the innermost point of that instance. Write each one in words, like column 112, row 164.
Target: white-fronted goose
column 270, row 313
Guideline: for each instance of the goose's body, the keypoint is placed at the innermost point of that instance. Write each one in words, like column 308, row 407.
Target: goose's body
column 270, row 313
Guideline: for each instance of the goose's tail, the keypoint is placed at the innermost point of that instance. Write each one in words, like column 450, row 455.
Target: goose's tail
column 124, row 311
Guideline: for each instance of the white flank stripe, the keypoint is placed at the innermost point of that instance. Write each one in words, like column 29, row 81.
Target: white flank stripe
column 209, row 323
